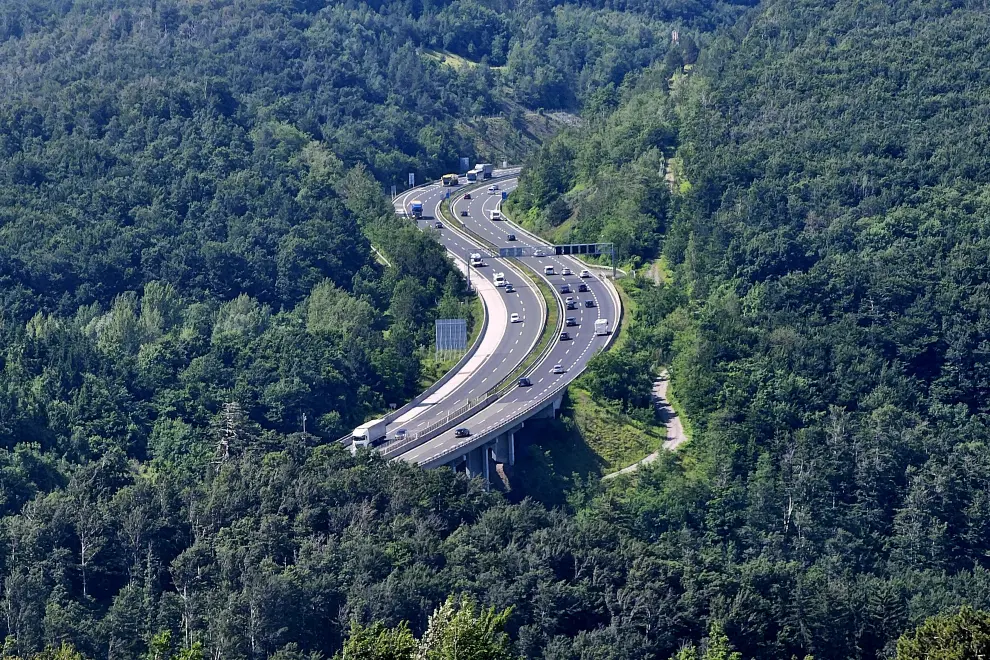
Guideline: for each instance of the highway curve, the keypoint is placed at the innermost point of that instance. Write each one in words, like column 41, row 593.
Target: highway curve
column 572, row 355
column 505, row 344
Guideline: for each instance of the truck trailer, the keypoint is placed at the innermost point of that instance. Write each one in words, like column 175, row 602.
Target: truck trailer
column 449, row 179
column 484, row 170
column 368, row 434
column 601, row 327
column 417, row 209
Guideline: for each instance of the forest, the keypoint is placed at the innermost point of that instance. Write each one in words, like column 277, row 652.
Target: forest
column 189, row 196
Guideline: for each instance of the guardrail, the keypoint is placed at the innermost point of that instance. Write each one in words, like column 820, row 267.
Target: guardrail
column 415, row 401
column 395, row 447
column 609, row 285
column 483, row 436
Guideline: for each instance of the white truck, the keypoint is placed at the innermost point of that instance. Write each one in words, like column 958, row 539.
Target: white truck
column 496, row 214
column 499, row 279
column 601, row 327
column 484, row 170
column 368, row 434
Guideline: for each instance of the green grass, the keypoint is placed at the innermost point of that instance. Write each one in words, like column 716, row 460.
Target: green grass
column 629, row 308
column 553, row 312
column 587, row 441
column 549, row 333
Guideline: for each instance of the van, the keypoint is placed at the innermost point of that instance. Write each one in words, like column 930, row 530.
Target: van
column 548, row 270
column 496, row 214
column 499, row 279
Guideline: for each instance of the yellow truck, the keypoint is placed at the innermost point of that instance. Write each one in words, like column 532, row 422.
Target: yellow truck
column 449, row 179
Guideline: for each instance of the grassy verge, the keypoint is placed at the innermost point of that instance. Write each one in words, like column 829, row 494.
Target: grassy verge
column 549, row 330
column 587, row 441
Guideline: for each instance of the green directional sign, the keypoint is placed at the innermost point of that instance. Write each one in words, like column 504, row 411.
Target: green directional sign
column 581, row 248
column 512, row 252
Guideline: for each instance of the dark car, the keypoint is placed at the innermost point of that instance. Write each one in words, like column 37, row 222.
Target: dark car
column 462, row 433
column 571, row 322
column 564, row 336
column 565, row 288
column 583, row 288
column 525, row 382
column 438, row 224
column 589, row 303
column 467, row 196
column 509, row 288
column 571, row 305
column 510, row 237
column 463, row 213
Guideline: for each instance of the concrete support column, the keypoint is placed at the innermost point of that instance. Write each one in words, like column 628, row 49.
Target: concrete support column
column 477, row 463
column 505, row 448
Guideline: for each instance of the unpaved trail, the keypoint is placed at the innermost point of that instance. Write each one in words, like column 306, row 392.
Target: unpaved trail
column 675, row 430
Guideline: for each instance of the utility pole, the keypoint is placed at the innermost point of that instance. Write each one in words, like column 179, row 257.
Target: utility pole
column 304, row 422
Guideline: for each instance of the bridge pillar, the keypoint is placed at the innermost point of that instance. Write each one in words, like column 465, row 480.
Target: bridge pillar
column 550, row 410
column 477, row 462
column 505, row 447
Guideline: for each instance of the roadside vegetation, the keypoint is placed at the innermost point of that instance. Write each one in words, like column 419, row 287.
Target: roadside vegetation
column 188, row 196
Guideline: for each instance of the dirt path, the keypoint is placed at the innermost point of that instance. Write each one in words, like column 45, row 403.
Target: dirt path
column 675, row 430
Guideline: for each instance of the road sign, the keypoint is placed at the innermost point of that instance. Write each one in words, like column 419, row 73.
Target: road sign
column 512, row 252
column 581, row 248
column 465, row 164
column 412, row 179
column 451, row 335
column 447, row 195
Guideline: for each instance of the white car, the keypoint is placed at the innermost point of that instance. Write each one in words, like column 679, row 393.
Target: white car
column 565, row 271
column 569, row 299
column 585, row 273
column 558, row 369
column 513, row 318
column 539, row 253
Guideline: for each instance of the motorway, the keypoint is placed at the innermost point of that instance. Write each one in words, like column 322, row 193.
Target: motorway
column 572, row 355
column 504, row 345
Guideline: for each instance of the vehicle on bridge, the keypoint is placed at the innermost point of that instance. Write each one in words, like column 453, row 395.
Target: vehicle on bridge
column 601, row 327
column 539, row 253
column 462, row 432
column 450, row 179
column 368, row 433
column 416, row 207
